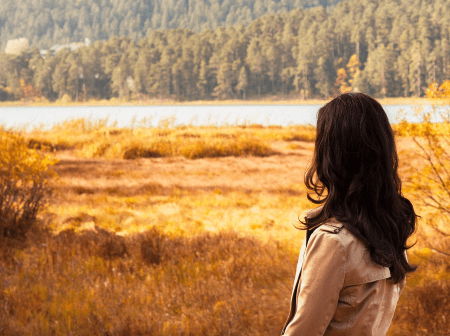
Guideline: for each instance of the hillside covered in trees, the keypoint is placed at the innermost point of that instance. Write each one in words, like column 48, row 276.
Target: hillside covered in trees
column 48, row 22
column 381, row 47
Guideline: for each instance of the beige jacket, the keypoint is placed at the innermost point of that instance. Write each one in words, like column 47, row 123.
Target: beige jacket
column 338, row 289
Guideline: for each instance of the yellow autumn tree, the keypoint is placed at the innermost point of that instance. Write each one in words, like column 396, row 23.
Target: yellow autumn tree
column 24, row 185
column 428, row 186
column 436, row 91
column 345, row 78
column 431, row 181
column 353, row 70
column 341, row 83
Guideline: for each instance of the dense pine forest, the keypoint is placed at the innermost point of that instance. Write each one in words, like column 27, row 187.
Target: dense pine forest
column 48, row 22
column 381, row 47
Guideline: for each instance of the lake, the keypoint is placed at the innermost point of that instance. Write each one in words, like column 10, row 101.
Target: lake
column 219, row 115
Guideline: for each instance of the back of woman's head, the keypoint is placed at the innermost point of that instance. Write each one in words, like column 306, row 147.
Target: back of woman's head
column 354, row 174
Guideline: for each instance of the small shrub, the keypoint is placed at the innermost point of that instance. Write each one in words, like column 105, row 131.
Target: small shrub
column 96, row 242
column 151, row 247
column 112, row 248
column 153, row 150
column 66, row 99
column 24, row 177
column 40, row 145
column 95, row 149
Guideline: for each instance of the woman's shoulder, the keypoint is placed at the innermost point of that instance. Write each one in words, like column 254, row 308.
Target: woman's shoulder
column 330, row 226
column 333, row 230
column 359, row 266
column 337, row 229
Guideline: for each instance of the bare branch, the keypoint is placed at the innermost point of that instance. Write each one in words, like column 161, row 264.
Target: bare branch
column 441, row 164
column 443, row 233
column 439, row 206
column 430, row 160
column 441, row 252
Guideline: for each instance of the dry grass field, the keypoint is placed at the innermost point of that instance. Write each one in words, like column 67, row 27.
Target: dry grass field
column 166, row 243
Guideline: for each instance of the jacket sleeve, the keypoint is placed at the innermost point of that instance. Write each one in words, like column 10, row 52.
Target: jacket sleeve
column 322, row 278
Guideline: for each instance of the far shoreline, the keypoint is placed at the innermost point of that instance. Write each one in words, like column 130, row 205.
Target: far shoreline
column 230, row 102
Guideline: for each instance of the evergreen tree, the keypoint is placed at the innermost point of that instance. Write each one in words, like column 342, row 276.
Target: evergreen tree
column 202, row 84
column 59, row 78
column 255, row 63
column 242, row 82
column 73, row 75
column 224, row 89
column 119, row 78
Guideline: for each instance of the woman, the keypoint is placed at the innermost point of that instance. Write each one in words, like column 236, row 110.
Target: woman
column 352, row 264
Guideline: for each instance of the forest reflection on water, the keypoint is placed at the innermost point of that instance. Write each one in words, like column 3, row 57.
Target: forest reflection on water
column 175, row 115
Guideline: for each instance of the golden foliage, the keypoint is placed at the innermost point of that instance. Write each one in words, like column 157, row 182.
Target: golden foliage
column 24, row 177
column 436, row 91
column 341, row 84
column 424, row 306
column 431, row 183
column 408, row 129
column 353, row 68
column 351, row 73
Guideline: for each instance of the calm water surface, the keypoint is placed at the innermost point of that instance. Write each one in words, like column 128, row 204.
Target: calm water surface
column 282, row 115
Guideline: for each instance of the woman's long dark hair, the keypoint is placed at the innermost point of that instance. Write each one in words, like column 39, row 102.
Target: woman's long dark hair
column 354, row 174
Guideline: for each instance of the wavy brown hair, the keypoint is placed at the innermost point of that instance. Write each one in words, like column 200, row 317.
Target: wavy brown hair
column 354, row 175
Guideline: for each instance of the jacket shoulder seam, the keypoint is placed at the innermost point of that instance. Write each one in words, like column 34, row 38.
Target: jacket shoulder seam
column 316, row 233
column 333, row 227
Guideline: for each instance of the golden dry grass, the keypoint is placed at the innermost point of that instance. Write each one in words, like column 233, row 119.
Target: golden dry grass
column 127, row 196
column 97, row 283
column 176, row 246
column 195, row 247
column 95, row 138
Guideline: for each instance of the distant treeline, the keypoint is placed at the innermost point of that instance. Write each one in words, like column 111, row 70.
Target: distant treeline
column 381, row 47
column 48, row 22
